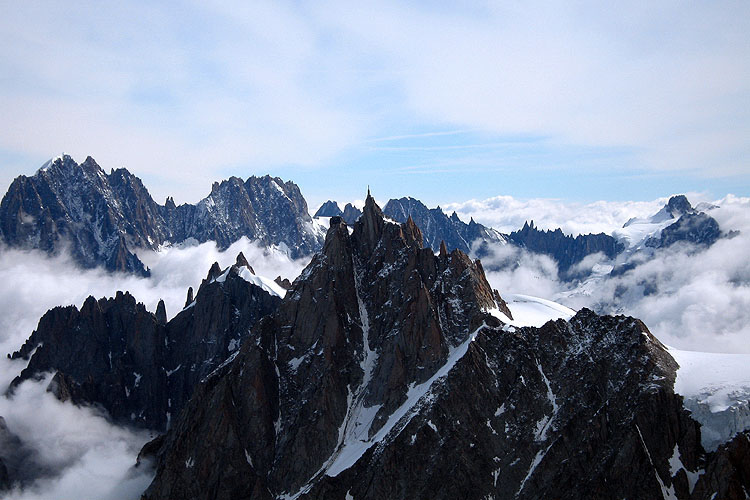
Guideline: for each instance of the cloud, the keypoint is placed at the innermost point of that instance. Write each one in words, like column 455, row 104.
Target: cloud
column 690, row 298
column 515, row 270
column 654, row 78
column 507, row 214
column 93, row 457
column 181, row 96
column 85, row 456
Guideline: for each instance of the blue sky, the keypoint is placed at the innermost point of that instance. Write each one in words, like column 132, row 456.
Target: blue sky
column 580, row 101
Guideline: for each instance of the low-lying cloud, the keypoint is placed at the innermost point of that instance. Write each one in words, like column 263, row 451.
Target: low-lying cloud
column 77, row 452
column 507, row 214
column 690, row 298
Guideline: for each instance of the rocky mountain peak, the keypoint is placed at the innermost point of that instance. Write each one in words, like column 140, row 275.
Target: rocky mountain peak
column 371, row 315
column 337, row 246
column 137, row 365
column 679, row 205
column 328, row 209
column 161, row 313
column 213, row 272
column 241, row 261
column 351, row 213
column 412, row 234
column 369, row 227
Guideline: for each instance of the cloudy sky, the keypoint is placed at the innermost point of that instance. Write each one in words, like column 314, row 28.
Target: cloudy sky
column 574, row 100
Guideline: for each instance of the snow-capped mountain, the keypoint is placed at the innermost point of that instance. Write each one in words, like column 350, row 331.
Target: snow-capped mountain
column 392, row 372
column 676, row 221
column 103, row 219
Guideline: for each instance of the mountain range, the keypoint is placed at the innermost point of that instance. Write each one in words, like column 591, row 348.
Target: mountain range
column 389, row 368
column 105, row 219
column 385, row 371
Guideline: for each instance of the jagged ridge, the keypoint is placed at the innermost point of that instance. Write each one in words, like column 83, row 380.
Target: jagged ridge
column 103, row 218
column 139, row 367
column 383, row 376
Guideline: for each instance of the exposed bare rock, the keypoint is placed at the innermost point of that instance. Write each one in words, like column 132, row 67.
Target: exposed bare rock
column 139, row 367
column 103, row 218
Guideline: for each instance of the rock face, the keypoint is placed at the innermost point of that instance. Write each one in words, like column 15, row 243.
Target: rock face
column 384, row 375
column 563, row 248
column 436, row 226
column 140, row 368
column 351, row 214
column 102, row 218
column 328, row 209
column 697, row 228
column 727, row 471
column 371, row 315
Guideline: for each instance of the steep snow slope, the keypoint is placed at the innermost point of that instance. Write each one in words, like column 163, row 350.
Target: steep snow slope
column 716, row 388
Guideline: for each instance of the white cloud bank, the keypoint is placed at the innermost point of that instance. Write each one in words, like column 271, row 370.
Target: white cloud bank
column 695, row 299
column 92, row 457
column 507, row 214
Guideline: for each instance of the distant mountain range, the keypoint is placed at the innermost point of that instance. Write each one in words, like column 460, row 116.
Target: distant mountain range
column 105, row 219
column 676, row 222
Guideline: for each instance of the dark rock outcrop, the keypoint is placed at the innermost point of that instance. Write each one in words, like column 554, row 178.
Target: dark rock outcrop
column 109, row 352
column 727, row 471
column 381, row 375
column 189, row 298
column 139, row 367
column 696, row 228
column 350, row 214
column 372, row 315
column 103, row 218
column 564, row 249
column 328, row 209
column 436, row 226
column 283, row 282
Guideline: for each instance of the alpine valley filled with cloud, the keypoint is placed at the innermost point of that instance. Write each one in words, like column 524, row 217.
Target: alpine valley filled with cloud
column 145, row 308
column 375, row 250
